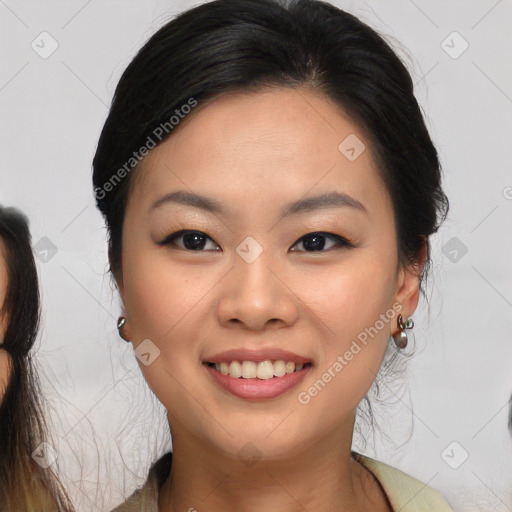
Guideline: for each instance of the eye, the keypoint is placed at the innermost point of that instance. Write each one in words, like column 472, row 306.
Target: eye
column 316, row 241
column 196, row 241
column 192, row 240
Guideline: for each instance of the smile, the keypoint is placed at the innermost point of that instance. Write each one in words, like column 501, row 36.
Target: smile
column 262, row 370
column 257, row 380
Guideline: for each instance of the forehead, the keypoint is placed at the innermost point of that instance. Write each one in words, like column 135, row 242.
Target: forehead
column 276, row 143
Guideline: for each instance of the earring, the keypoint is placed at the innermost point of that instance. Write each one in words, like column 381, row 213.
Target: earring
column 400, row 338
column 120, row 324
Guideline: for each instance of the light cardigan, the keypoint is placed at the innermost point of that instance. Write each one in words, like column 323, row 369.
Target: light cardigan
column 405, row 493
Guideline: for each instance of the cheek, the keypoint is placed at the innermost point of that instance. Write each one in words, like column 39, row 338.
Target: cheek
column 353, row 350
column 348, row 303
column 164, row 306
column 350, row 297
column 159, row 296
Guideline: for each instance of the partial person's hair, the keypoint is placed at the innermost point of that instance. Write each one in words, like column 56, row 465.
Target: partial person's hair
column 253, row 45
column 25, row 486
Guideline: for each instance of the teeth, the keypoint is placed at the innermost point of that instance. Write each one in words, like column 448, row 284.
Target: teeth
column 265, row 370
column 279, row 368
column 235, row 369
column 262, row 370
column 249, row 370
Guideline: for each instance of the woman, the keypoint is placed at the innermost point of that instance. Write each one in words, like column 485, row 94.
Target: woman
column 27, row 482
column 269, row 188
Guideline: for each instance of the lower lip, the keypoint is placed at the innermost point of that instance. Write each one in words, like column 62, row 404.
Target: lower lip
column 258, row 389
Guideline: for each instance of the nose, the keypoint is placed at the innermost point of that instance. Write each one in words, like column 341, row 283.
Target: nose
column 256, row 296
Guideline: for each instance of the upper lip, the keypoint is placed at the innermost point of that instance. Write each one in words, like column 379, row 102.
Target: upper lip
column 242, row 354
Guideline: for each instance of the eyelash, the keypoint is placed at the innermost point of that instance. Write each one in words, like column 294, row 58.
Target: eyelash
column 341, row 241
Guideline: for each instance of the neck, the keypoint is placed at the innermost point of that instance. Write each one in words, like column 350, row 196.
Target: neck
column 320, row 477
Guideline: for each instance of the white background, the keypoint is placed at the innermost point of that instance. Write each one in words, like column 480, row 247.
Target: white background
column 459, row 382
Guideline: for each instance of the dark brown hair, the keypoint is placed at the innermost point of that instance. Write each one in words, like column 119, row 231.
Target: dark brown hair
column 24, row 484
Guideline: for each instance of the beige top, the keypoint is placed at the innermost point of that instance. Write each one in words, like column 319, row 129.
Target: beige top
column 405, row 493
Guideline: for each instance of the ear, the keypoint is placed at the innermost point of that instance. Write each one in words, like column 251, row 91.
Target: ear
column 125, row 331
column 408, row 284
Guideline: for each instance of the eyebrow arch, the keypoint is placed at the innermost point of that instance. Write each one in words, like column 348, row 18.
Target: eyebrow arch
column 325, row 200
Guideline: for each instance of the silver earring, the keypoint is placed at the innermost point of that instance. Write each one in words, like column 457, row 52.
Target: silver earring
column 120, row 324
column 400, row 338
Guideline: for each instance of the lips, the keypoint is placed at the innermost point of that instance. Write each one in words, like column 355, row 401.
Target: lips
column 256, row 389
column 240, row 380
column 257, row 356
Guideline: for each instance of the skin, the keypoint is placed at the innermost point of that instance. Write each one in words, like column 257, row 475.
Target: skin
column 4, row 356
column 255, row 153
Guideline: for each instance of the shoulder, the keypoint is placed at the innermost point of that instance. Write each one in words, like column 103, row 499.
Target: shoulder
column 405, row 492
column 145, row 498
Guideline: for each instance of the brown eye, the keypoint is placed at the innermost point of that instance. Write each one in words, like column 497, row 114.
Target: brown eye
column 192, row 240
column 315, row 242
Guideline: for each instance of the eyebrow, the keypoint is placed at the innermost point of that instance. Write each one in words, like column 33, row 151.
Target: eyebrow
column 326, row 200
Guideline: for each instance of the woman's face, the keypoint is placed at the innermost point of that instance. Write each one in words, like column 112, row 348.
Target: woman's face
column 256, row 278
column 4, row 356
